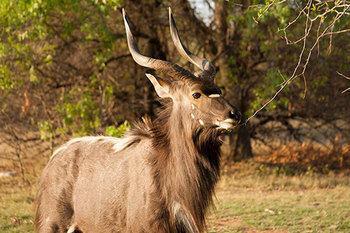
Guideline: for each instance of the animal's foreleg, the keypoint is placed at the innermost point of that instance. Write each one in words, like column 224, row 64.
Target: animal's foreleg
column 183, row 219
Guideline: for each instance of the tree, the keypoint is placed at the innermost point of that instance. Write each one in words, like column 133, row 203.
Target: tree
column 65, row 68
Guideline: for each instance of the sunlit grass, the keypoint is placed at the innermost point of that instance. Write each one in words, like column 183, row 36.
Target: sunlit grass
column 253, row 200
column 326, row 210
column 248, row 199
column 16, row 206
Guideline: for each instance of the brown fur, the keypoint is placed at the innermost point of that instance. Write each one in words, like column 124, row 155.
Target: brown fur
column 181, row 172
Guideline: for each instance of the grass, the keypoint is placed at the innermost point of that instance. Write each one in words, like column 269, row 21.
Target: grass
column 253, row 200
column 16, row 206
column 316, row 210
column 248, row 199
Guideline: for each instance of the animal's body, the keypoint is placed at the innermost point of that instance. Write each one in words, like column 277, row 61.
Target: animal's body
column 159, row 177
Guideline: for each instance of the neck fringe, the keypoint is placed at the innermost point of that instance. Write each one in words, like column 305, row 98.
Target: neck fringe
column 187, row 176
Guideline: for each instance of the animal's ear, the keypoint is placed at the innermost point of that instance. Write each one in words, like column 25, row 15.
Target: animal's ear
column 162, row 89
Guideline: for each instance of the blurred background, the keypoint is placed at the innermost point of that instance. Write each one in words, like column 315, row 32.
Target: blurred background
column 65, row 71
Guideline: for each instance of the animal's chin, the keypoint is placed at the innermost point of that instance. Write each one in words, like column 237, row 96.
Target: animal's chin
column 222, row 134
column 217, row 132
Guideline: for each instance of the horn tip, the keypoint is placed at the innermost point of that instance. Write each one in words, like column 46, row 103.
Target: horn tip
column 125, row 16
column 126, row 20
column 171, row 18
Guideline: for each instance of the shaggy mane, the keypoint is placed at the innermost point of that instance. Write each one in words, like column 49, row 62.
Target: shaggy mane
column 192, row 184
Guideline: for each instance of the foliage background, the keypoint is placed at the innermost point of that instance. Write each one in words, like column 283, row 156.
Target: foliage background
column 65, row 71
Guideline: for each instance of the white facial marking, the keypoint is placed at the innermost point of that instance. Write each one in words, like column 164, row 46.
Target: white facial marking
column 192, row 115
column 214, row 95
column 226, row 124
column 201, row 122
column 192, row 106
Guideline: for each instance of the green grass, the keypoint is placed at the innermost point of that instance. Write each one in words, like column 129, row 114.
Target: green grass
column 16, row 206
column 316, row 210
column 247, row 200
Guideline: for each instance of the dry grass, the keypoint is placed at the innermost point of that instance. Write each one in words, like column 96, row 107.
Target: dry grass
column 304, row 157
column 253, row 200
column 316, row 210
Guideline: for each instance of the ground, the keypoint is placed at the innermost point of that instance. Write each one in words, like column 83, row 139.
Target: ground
column 248, row 199
column 307, row 203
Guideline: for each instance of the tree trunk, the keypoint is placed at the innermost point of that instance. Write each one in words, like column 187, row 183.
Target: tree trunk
column 243, row 147
column 221, row 29
column 240, row 142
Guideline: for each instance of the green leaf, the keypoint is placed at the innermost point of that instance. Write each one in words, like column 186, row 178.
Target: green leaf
column 117, row 131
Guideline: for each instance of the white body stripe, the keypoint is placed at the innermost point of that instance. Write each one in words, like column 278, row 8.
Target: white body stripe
column 119, row 143
column 71, row 228
column 184, row 217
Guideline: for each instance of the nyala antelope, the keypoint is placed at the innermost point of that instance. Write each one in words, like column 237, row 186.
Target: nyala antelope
column 160, row 176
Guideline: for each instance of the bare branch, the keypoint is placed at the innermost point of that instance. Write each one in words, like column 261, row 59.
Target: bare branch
column 348, row 78
column 334, row 12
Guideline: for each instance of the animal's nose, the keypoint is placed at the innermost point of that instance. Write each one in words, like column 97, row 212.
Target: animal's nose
column 235, row 115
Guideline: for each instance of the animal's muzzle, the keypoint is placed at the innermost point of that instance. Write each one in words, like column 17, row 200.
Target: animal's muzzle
column 235, row 115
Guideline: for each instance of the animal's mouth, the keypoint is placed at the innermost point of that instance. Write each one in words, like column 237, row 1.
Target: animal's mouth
column 225, row 127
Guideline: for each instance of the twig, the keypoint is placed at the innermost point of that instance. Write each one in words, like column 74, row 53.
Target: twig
column 348, row 78
column 328, row 31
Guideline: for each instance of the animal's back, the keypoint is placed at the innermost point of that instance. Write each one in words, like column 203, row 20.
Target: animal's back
column 96, row 183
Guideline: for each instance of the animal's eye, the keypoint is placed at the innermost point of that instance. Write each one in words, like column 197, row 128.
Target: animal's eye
column 196, row 95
